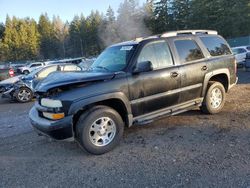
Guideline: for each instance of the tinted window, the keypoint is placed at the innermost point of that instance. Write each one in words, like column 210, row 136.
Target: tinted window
column 216, row 45
column 158, row 53
column 248, row 48
column 35, row 65
column 242, row 50
column 188, row 50
column 239, row 51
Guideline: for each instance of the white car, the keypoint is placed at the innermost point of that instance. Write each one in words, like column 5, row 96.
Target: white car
column 240, row 54
column 30, row 67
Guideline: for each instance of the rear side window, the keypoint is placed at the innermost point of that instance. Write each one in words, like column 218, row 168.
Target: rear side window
column 158, row 53
column 248, row 48
column 71, row 68
column 216, row 45
column 188, row 50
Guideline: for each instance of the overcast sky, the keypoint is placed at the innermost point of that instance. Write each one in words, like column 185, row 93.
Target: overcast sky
column 66, row 9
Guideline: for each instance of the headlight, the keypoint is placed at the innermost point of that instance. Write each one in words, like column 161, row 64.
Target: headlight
column 51, row 103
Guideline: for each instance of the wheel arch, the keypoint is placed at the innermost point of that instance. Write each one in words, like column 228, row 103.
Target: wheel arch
column 117, row 101
column 220, row 75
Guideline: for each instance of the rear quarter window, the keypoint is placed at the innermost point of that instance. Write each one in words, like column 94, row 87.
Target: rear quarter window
column 216, row 45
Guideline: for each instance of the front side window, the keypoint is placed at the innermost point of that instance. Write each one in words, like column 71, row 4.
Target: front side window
column 157, row 53
column 188, row 50
column 114, row 58
column 215, row 45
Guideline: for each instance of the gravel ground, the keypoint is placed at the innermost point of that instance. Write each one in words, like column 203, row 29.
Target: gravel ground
column 188, row 150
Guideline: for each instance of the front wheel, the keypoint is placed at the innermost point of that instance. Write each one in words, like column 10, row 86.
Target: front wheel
column 99, row 129
column 24, row 95
column 215, row 98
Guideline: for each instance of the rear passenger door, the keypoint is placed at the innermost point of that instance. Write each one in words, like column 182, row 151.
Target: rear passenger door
column 193, row 68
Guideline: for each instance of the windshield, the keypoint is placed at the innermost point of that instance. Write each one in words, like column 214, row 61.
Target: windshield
column 114, row 58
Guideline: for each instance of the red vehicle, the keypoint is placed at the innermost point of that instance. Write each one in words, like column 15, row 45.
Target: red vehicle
column 11, row 72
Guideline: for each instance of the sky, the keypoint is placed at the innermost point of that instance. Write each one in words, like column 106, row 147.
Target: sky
column 66, row 9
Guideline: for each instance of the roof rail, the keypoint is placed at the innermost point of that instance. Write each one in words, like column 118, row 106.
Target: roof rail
column 192, row 32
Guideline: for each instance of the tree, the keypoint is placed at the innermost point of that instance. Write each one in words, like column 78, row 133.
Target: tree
column 130, row 21
column 2, row 28
column 48, row 43
column 75, row 48
column 181, row 14
column 61, row 32
column 108, row 29
column 21, row 39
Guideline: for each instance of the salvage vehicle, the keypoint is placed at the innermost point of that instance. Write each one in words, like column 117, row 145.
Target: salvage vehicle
column 135, row 82
column 21, row 87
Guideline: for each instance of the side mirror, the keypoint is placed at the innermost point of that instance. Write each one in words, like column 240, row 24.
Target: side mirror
column 144, row 66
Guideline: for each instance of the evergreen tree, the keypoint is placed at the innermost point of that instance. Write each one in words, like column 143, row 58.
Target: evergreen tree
column 61, row 31
column 21, row 39
column 48, row 49
column 181, row 14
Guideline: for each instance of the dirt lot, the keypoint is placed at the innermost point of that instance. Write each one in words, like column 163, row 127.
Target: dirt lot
column 188, row 150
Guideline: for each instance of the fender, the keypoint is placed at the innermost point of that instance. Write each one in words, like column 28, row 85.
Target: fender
column 79, row 105
column 210, row 75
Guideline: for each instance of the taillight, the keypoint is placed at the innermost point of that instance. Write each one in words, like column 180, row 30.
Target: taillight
column 11, row 73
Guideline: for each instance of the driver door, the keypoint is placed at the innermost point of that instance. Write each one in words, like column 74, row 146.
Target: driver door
column 157, row 89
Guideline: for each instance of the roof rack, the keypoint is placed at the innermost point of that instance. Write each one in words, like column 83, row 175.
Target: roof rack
column 185, row 32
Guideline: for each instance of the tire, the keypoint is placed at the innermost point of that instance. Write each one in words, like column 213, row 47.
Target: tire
column 24, row 95
column 94, row 139
column 215, row 98
column 26, row 72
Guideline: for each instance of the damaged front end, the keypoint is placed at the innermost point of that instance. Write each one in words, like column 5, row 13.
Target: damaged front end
column 55, row 94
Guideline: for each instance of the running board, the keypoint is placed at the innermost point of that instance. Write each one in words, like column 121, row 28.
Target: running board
column 174, row 110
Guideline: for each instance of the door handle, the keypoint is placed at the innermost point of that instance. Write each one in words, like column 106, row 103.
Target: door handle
column 204, row 68
column 174, row 74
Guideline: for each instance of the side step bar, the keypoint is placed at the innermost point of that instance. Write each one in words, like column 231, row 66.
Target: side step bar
column 148, row 118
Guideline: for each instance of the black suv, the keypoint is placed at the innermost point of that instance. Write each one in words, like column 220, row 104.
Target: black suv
column 135, row 82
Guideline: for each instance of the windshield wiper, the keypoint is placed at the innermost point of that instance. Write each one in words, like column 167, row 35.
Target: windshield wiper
column 101, row 67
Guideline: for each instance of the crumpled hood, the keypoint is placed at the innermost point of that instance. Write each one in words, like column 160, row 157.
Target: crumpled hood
column 58, row 79
column 12, row 80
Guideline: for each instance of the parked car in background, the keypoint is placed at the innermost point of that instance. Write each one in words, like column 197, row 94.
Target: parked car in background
column 29, row 67
column 240, row 54
column 15, row 66
column 73, row 61
column 5, row 71
column 21, row 87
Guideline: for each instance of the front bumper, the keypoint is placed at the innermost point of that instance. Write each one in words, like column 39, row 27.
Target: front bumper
column 59, row 129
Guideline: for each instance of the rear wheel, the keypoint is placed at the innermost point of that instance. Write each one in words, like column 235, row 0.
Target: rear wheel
column 99, row 129
column 24, row 95
column 215, row 98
